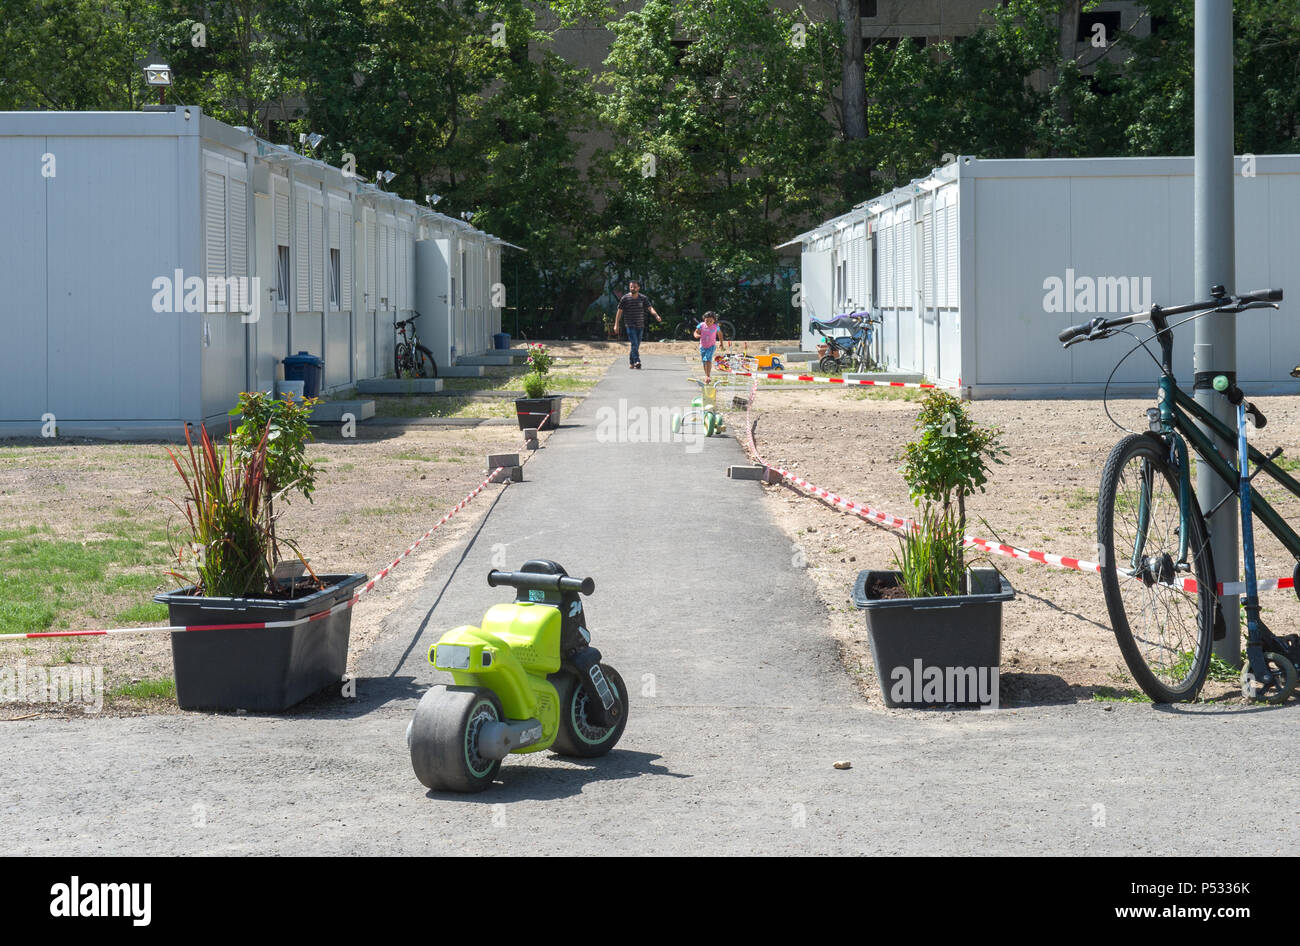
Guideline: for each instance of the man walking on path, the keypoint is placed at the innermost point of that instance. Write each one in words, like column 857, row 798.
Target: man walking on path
column 634, row 306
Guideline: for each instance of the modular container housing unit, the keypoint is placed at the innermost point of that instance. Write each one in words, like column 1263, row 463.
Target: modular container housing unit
column 158, row 263
column 977, row 267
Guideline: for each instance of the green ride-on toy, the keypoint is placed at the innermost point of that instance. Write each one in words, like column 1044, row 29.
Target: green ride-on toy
column 704, row 409
column 526, row 679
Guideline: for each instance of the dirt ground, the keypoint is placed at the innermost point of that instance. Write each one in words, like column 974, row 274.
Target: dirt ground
column 376, row 493
column 1057, row 643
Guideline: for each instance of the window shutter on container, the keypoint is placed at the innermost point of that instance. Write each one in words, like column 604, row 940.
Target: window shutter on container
column 401, row 302
column 941, row 255
column 927, row 257
column 317, row 265
column 281, row 218
column 347, row 236
column 302, row 253
column 371, row 249
column 238, row 228
column 214, row 227
column 954, row 259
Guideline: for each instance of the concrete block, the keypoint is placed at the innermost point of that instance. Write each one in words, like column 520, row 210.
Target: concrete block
column 746, row 472
column 331, row 412
column 399, row 386
column 497, row 359
column 512, row 474
column 502, row 459
column 911, row 376
column 460, row 371
column 530, row 438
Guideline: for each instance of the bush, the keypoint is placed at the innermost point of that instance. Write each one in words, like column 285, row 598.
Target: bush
column 950, row 459
column 947, row 462
column 534, row 385
column 286, row 423
column 540, row 358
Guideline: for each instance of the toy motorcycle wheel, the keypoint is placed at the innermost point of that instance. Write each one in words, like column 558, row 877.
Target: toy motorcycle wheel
column 677, row 423
column 1284, row 681
column 710, row 424
column 829, row 365
column 443, row 738
column 578, row 736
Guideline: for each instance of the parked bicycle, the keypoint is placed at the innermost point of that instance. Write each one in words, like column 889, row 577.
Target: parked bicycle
column 1157, row 568
column 854, row 351
column 410, row 358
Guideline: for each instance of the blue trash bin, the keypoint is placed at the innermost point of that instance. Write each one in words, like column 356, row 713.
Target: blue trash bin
column 306, row 368
column 501, row 341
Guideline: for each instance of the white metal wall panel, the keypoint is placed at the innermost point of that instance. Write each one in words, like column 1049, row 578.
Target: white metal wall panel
column 111, row 356
column 23, row 315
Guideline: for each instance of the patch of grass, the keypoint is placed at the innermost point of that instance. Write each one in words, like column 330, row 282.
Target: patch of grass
column 44, row 580
column 162, row 688
column 1222, row 671
column 149, row 613
column 1288, row 464
column 1081, row 498
column 415, row 455
column 871, row 393
column 344, row 468
column 1104, row 694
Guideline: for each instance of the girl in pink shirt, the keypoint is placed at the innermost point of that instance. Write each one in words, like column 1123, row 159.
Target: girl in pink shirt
column 709, row 332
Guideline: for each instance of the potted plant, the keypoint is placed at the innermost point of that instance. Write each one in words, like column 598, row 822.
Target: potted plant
column 934, row 624
column 232, row 559
column 536, row 408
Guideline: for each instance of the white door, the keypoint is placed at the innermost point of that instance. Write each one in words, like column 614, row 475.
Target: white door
column 816, row 294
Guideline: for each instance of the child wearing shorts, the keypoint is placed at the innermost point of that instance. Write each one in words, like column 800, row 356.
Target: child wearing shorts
column 709, row 332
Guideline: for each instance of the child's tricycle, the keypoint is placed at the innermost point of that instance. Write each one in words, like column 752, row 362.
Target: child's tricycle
column 704, row 409
column 526, row 679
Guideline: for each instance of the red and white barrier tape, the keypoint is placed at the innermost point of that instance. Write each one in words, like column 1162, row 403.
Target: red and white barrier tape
column 270, row 625
column 998, row 548
column 832, row 379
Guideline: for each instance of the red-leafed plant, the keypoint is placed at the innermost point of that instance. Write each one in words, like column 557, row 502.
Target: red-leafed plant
column 232, row 548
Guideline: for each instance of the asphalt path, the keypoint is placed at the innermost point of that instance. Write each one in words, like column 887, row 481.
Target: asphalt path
column 740, row 707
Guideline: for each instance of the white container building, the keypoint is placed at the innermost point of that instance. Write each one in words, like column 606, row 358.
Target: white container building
column 975, row 268
column 158, row 263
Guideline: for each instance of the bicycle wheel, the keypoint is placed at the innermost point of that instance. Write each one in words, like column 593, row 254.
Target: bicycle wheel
column 425, row 366
column 401, row 358
column 1164, row 630
column 686, row 331
column 728, row 330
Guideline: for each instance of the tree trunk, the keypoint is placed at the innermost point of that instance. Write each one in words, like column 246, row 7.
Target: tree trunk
column 852, row 77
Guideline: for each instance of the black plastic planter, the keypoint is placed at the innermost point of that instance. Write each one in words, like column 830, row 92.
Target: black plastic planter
column 540, row 412
column 936, row 651
column 262, row 670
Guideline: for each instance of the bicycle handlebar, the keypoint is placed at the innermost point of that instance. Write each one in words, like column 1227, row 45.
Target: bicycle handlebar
column 541, row 581
column 1256, row 298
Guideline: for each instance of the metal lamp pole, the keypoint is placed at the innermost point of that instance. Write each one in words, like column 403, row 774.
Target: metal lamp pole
column 1215, row 264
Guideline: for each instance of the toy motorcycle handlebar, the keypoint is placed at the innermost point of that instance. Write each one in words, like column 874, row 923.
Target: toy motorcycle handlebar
column 541, row 582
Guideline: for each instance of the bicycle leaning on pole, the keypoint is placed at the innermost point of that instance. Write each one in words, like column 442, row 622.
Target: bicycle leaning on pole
column 1157, row 571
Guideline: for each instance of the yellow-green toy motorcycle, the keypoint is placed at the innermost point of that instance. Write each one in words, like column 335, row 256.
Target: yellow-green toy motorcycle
column 526, row 679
